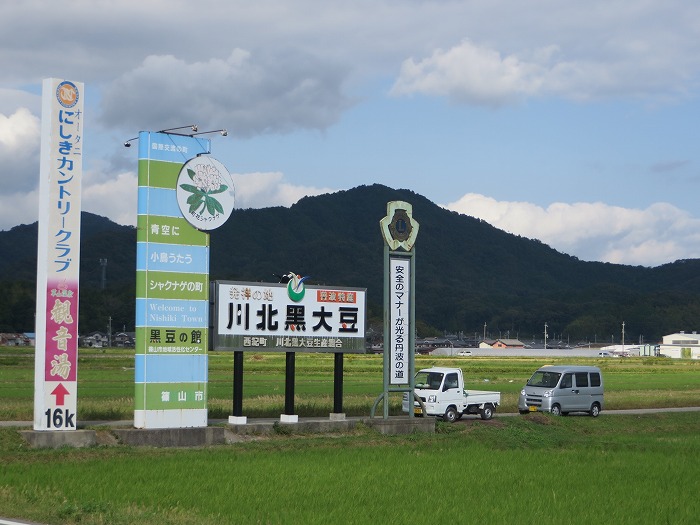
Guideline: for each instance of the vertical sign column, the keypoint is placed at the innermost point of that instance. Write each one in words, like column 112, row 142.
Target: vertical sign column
column 172, row 291
column 399, row 320
column 58, row 256
column 399, row 230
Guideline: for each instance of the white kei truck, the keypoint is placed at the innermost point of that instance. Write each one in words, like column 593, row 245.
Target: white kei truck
column 442, row 393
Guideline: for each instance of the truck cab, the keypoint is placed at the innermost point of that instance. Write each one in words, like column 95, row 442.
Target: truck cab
column 443, row 395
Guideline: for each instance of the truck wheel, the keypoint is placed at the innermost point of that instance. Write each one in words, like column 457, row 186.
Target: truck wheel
column 595, row 410
column 450, row 415
column 487, row 411
column 523, row 412
column 556, row 410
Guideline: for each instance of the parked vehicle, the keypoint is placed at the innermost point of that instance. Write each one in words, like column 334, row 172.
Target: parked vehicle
column 443, row 394
column 563, row 389
column 464, row 353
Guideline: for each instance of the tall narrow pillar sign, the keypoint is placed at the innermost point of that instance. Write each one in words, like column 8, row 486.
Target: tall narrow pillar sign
column 58, row 256
column 400, row 328
column 182, row 193
column 172, row 291
column 399, row 230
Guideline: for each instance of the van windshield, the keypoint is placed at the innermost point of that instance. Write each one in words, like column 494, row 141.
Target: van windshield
column 544, row 379
column 429, row 380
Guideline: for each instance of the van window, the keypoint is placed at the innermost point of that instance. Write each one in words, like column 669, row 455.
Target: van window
column 566, row 381
column 544, row 378
column 595, row 379
column 581, row 379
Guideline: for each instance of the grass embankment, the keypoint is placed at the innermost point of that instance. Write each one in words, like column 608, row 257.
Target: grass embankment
column 530, row 469
column 105, row 382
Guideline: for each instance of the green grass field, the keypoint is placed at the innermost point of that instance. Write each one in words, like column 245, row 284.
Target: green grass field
column 533, row 469
column 614, row 469
column 106, row 387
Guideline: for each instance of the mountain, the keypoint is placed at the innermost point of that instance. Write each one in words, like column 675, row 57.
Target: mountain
column 467, row 272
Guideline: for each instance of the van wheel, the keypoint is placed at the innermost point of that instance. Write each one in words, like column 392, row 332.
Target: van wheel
column 556, row 410
column 595, row 410
column 450, row 415
column 487, row 412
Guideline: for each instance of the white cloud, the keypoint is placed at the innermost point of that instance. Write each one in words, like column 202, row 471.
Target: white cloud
column 246, row 93
column 19, row 150
column 482, row 74
column 468, row 73
column 18, row 208
column 595, row 231
column 260, row 190
column 12, row 99
column 116, row 198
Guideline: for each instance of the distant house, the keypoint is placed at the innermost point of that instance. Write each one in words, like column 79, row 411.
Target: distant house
column 508, row 343
column 434, row 342
column 14, row 339
column 487, row 343
column 124, row 339
column 681, row 345
column 94, row 340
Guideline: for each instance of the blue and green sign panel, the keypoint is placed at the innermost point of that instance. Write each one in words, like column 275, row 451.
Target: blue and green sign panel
column 172, row 287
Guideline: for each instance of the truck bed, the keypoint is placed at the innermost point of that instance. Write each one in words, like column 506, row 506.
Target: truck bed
column 473, row 397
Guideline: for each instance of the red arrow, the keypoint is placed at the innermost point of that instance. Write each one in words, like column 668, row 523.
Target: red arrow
column 60, row 392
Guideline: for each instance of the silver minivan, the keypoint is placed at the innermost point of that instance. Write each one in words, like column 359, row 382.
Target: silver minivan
column 563, row 389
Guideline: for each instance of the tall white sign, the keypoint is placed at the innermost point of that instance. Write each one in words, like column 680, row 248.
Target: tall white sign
column 399, row 230
column 58, row 255
column 399, row 320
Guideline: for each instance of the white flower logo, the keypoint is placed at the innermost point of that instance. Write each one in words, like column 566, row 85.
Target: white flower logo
column 207, row 182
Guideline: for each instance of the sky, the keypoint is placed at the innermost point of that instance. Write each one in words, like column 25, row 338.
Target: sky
column 575, row 123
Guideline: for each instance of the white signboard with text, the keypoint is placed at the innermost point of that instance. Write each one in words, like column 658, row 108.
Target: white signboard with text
column 399, row 320
column 58, row 255
column 289, row 317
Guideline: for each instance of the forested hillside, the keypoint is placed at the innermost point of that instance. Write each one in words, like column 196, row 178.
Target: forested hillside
column 468, row 272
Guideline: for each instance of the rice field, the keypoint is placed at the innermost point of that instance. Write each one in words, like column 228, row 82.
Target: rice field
column 614, row 469
column 534, row 469
column 106, row 382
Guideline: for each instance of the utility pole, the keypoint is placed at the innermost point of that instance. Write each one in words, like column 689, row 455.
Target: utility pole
column 545, row 336
column 623, row 336
column 109, row 332
column 484, row 332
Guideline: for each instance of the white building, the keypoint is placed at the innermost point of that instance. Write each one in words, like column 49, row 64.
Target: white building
column 681, row 345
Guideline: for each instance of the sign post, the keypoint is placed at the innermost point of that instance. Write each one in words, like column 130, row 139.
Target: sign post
column 182, row 193
column 399, row 230
column 290, row 318
column 58, row 256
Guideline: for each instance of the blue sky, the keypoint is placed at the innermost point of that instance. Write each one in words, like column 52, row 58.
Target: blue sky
column 571, row 122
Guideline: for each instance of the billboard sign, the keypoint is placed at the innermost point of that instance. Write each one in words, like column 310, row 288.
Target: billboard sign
column 291, row 317
column 58, row 255
column 172, row 289
column 399, row 319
